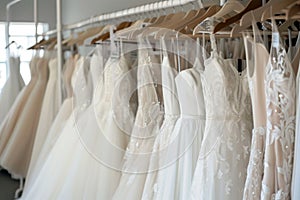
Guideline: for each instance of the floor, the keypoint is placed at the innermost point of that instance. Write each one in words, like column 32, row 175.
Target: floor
column 8, row 186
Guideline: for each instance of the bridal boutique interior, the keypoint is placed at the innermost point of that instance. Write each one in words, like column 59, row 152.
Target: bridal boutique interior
column 142, row 100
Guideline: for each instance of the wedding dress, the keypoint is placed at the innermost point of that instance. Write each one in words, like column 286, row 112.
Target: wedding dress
column 295, row 193
column 50, row 107
column 281, row 110
column 81, row 175
column 57, row 125
column 185, row 142
column 257, row 59
column 157, row 165
column 11, row 88
column 224, row 155
column 12, row 116
column 16, row 154
column 146, row 127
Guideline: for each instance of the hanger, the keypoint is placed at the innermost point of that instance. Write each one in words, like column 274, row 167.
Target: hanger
column 276, row 6
column 87, row 34
column 253, row 4
column 41, row 44
column 13, row 42
column 228, row 7
column 288, row 24
column 105, row 31
column 292, row 11
column 256, row 15
column 195, row 26
column 174, row 26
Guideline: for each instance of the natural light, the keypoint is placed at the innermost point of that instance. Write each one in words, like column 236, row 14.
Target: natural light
column 24, row 35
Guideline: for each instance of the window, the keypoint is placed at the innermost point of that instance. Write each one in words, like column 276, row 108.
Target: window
column 23, row 34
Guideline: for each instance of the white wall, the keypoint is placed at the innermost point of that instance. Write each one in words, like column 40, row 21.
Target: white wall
column 23, row 11
column 76, row 10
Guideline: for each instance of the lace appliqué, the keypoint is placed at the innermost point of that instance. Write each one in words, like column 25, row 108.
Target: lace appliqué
column 255, row 167
column 280, row 92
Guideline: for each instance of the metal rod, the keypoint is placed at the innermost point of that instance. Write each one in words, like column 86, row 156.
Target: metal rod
column 35, row 16
column 125, row 13
column 7, row 33
column 59, row 41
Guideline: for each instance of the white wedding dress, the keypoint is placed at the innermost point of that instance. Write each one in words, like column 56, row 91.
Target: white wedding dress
column 50, row 107
column 80, row 148
column 157, row 165
column 296, row 168
column 146, row 127
column 222, row 164
column 57, row 125
column 14, row 113
column 281, row 110
column 185, row 141
column 11, row 88
column 16, row 154
column 257, row 59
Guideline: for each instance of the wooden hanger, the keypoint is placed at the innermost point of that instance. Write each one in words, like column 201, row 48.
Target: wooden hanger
column 151, row 28
column 276, row 6
column 194, row 26
column 292, row 11
column 287, row 24
column 253, row 4
column 41, row 44
column 255, row 15
column 52, row 45
column 174, row 26
column 228, row 7
column 106, row 35
column 87, row 34
column 102, row 32
column 198, row 15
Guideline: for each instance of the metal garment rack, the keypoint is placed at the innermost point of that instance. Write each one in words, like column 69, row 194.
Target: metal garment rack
column 105, row 18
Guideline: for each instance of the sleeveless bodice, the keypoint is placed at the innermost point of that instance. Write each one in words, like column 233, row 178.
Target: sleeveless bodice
column 148, row 104
column 14, row 70
column 42, row 69
column 225, row 87
column 33, row 67
column 80, row 84
column 189, row 89
column 96, row 68
column 53, row 69
column 171, row 104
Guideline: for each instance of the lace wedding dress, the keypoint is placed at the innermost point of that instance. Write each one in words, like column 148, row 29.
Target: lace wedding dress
column 146, row 127
column 224, row 155
column 158, row 161
column 281, row 110
column 257, row 59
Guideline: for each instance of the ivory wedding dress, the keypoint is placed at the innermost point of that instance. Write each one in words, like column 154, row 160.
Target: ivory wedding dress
column 11, row 88
column 16, row 154
column 79, row 149
column 185, row 142
column 224, row 155
column 281, row 111
column 50, row 107
column 157, row 165
column 57, row 126
column 14, row 113
column 146, row 127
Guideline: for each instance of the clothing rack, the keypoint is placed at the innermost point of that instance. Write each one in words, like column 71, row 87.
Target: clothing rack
column 104, row 18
